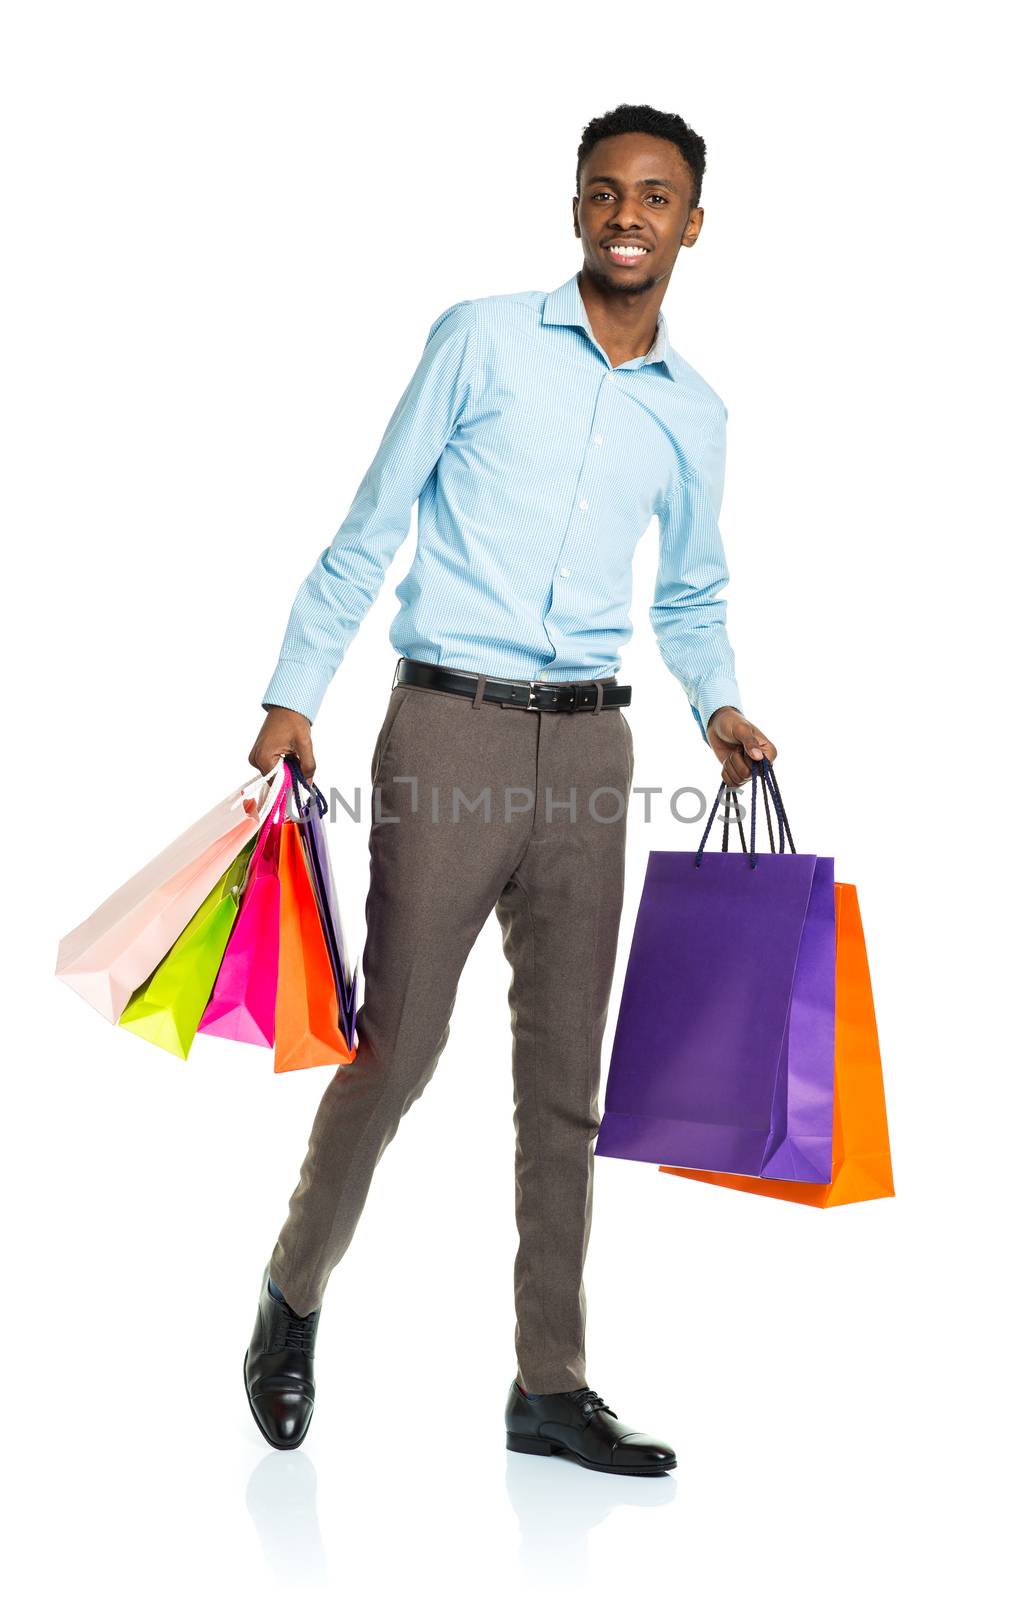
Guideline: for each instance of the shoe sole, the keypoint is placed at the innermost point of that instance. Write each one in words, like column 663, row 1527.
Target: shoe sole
column 545, row 1447
column 293, row 1444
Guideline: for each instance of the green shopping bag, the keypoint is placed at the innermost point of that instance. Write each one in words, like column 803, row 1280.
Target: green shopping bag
column 168, row 1007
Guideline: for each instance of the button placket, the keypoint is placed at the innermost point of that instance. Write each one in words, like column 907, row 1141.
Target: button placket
column 596, row 439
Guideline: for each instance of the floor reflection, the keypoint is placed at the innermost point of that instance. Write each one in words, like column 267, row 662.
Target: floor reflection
column 281, row 1499
column 558, row 1503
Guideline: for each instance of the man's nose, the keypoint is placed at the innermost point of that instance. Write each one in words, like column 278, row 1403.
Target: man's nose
column 629, row 215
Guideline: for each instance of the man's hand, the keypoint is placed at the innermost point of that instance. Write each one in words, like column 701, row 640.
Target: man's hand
column 284, row 733
column 736, row 742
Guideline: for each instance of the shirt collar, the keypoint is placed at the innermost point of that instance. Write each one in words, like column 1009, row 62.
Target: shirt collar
column 565, row 305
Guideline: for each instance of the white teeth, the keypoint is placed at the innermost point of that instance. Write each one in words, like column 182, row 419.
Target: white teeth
column 627, row 250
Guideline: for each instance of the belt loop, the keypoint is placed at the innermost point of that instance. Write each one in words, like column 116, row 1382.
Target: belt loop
column 600, row 694
column 394, row 680
column 481, row 680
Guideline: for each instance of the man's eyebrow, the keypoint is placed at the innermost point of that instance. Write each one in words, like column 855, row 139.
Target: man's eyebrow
column 642, row 183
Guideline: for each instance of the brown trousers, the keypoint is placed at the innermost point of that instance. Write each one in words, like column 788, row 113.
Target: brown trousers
column 483, row 823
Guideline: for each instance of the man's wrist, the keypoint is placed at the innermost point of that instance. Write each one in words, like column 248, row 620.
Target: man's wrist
column 269, row 705
column 717, row 710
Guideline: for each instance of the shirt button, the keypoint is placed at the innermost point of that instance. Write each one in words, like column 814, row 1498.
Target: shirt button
column 599, row 438
column 583, row 505
column 564, row 572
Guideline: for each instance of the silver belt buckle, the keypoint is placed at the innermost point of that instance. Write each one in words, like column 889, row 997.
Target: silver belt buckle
column 535, row 683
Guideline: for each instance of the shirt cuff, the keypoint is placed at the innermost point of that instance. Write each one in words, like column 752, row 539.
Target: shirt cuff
column 712, row 695
column 299, row 686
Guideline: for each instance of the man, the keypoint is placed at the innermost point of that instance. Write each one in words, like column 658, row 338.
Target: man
column 539, row 433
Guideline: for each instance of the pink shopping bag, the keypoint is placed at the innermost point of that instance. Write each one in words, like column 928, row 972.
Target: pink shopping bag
column 109, row 955
column 244, row 994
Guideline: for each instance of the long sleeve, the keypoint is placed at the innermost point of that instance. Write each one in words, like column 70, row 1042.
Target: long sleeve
column 348, row 576
column 687, row 617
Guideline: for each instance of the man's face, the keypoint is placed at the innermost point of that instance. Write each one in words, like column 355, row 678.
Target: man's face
column 635, row 192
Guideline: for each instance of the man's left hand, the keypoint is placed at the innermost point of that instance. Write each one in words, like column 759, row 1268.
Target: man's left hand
column 736, row 742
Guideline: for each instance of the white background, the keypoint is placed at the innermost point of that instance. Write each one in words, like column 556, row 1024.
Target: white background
column 229, row 228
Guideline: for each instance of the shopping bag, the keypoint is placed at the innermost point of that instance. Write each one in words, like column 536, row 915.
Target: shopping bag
column 724, row 1043
column 310, row 813
column 307, row 1031
column 861, row 1160
column 244, row 995
column 114, row 950
column 166, row 1008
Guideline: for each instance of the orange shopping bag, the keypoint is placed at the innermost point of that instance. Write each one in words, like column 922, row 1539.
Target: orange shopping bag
column 861, row 1163
column 306, row 1025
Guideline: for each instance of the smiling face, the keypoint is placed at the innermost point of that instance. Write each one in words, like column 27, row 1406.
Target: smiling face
column 633, row 211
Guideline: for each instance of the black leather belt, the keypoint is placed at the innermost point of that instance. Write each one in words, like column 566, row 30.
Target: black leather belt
column 590, row 694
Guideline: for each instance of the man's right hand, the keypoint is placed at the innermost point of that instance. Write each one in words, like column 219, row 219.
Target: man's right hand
column 284, row 733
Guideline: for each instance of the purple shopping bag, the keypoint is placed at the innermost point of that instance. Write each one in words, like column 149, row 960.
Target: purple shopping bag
column 309, row 815
column 724, row 1050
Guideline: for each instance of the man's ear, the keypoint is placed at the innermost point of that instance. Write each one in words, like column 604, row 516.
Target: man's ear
column 691, row 232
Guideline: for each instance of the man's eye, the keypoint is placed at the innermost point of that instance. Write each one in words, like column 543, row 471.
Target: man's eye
column 604, row 194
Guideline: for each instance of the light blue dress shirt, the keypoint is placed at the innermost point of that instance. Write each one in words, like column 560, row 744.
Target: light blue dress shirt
column 537, row 466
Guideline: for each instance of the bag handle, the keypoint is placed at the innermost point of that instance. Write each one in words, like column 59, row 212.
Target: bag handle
column 763, row 771
column 773, row 784
column 280, row 805
column 769, row 790
column 310, row 788
column 257, row 778
column 732, row 795
column 244, row 796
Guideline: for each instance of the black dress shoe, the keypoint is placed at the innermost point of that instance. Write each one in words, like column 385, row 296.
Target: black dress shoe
column 278, row 1371
column 578, row 1424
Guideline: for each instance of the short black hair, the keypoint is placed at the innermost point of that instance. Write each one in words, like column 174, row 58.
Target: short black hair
column 645, row 119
